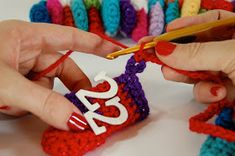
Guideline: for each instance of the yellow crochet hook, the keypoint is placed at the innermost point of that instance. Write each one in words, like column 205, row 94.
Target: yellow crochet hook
column 217, row 30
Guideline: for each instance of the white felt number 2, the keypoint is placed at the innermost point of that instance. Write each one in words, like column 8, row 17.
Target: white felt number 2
column 91, row 115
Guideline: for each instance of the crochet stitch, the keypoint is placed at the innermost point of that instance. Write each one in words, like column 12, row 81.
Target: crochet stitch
column 212, row 146
column 128, row 17
column 55, row 10
column 110, row 10
column 156, row 23
column 190, row 8
column 80, row 15
column 172, row 11
column 39, row 13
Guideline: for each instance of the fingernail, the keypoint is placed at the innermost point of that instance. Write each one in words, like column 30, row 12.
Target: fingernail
column 5, row 107
column 214, row 90
column 77, row 123
column 165, row 48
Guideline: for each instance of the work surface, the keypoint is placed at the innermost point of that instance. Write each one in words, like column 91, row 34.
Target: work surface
column 164, row 133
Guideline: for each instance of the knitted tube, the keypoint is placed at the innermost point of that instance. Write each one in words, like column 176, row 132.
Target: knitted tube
column 214, row 146
column 156, row 23
column 190, row 7
column 59, row 143
column 80, row 14
column 39, row 13
column 68, row 16
column 128, row 17
column 172, row 11
column 151, row 3
column 56, row 11
column 92, row 3
column 110, row 11
column 141, row 28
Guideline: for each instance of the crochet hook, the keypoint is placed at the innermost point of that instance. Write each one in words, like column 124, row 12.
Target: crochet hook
column 185, row 35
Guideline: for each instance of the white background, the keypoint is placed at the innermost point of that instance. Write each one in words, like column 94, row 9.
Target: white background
column 164, row 133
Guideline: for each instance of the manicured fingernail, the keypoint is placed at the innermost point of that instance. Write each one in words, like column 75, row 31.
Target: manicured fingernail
column 5, row 107
column 214, row 90
column 165, row 48
column 77, row 122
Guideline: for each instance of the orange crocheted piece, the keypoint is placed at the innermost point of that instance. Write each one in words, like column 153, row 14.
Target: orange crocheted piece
column 95, row 22
column 68, row 16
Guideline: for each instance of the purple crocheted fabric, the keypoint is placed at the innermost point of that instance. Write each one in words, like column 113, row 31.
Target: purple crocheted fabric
column 132, row 86
column 157, row 23
column 128, row 17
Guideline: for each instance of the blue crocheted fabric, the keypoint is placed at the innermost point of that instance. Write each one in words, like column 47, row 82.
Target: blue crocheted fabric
column 110, row 10
column 151, row 3
column 172, row 11
column 218, row 147
column 80, row 14
column 39, row 13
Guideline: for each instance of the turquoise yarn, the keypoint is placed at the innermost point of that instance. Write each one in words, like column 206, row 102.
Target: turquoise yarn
column 39, row 13
column 218, row 147
column 151, row 3
column 80, row 14
column 172, row 11
column 110, row 11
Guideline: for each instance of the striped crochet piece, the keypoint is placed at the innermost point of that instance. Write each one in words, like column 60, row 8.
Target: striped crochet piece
column 156, row 23
column 190, row 8
column 214, row 146
column 55, row 10
column 39, row 13
column 110, row 10
column 59, row 143
column 80, row 14
column 172, row 11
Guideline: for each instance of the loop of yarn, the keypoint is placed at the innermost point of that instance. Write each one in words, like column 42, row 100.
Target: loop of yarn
column 55, row 10
column 80, row 14
column 110, row 10
column 39, row 13
column 156, row 23
column 128, row 17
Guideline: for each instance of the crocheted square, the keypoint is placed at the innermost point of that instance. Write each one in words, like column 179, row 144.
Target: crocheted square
column 131, row 96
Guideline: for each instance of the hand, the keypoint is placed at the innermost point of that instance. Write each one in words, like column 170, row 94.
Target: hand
column 27, row 48
column 217, row 57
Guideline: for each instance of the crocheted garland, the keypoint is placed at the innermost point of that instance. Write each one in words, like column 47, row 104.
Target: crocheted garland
column 132, row 18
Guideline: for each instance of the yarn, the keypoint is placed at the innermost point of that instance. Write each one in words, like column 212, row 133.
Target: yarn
column 56, row 142
column 39, row 13
column 151, row 3
column 190, row 8
column 217, row 4
column 156, row 23
column 95, row 22
column 214, row 146
column 68, row 17
column 128, row 17
column 92, row 3
column 80, row 14
column 110, row 10
column 172, row 11
column 55, row 10
column 141, row 28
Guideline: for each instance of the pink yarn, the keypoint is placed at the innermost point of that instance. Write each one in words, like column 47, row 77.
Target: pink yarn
column 141, row 29
column 55, row 9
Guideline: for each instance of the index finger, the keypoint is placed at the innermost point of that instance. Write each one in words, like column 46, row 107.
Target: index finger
column 51, row 37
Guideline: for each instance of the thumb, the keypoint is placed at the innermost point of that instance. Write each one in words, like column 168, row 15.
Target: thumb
column 208, row 56
column 50, row 106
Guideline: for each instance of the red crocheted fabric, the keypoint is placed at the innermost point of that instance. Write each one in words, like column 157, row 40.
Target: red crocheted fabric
column 68, row 16
column 95, row 22
column 217, row 4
